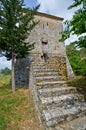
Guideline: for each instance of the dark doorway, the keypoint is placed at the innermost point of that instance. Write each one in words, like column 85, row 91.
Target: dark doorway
column 45, row 50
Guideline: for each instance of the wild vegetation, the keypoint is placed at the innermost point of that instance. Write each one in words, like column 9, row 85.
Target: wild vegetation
column 80, row 84
column 77, row 58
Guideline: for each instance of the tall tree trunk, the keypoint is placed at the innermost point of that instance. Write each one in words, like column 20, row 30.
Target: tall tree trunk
column 13, row 76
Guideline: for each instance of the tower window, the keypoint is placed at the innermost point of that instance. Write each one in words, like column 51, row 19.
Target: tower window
column 43, row 26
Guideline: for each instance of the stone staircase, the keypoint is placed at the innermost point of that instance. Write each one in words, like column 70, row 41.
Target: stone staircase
column 57, row 104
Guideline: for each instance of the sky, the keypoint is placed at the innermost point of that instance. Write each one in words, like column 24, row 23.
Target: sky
column 53, row 7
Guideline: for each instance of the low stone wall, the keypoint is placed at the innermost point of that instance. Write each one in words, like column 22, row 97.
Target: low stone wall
column 70, row 73
column 22, row 67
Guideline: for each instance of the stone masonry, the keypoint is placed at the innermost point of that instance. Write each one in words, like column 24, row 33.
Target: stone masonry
column 48, row 29
column 22, row 68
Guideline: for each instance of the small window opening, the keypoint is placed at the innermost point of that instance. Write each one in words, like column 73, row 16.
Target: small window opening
column 44, row 42
column 47, row 23
column 43, row 26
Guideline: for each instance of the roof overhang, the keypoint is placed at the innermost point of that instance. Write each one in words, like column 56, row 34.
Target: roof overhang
column 49, row 16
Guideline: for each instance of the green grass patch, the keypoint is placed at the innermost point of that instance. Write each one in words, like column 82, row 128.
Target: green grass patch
column 17, row 111
column 4, row 80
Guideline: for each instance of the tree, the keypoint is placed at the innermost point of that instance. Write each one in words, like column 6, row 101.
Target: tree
column 72, row 50
column 16, row 24
column 77, row 59
column 5, row 71
column 77, row 25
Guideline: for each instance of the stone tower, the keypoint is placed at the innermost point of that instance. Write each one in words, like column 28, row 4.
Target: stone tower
column 47, row 31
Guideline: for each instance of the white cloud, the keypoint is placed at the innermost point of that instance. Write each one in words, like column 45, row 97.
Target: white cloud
column 71, row 39
column 4, row 63
column 56, row 7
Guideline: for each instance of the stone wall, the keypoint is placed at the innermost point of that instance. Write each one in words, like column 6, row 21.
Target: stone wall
column 70, row 73
column 48, row 29
column 22, row 67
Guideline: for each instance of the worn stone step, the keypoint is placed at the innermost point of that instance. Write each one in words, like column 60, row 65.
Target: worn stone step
column 43, row 63
column 38, row 63
column 58, row 101
column 41, row 67
column 46, row 77
column 49, row 78
column 45, row 70
column 38, row 74
column 76, row 124
column 58, row 115
column 46, row 92
column 50, row 83
column 53, row 85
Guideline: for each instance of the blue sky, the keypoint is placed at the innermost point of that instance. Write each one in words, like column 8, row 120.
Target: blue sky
column 30, row 3
column 53, row 7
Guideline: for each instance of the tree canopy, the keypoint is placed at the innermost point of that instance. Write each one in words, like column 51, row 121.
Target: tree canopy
column 16, row 24
column 77, row 25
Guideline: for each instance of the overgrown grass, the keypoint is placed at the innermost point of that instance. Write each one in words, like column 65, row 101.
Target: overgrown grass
column 17, row 111
column 80, row 84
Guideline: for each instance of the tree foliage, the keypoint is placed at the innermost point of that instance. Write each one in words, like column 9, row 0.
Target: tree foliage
column 77, row 59
column 5, row 71
column 16, row 24
column 77, row 25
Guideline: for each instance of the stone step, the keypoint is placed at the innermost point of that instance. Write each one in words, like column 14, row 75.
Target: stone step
column 53, row 85
column 43, row 63
column 41, row 67
column 50, row 83
column 45, row 70
column 38, row 74
column 46, row 92
column 63, row 100
column 49, row 78
column 38, row 64
column 59, row 115
column 76, row 124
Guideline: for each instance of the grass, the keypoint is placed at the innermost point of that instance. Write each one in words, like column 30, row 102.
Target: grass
column 17, row 111
column 80, row 84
